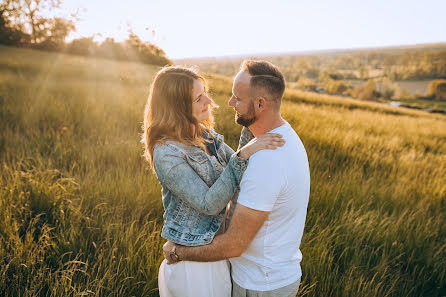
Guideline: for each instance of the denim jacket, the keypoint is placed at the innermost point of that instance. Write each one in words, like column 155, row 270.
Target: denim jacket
column 194, row 193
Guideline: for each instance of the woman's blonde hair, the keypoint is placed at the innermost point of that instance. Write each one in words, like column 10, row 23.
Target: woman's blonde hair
column 168, row 112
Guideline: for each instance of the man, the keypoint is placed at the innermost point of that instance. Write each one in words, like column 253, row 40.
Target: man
column 263, row 238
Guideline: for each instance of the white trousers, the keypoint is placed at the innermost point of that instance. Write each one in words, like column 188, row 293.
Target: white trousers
column 194, row 279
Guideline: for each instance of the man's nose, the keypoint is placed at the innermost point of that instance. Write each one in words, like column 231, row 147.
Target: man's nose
column 231, row 101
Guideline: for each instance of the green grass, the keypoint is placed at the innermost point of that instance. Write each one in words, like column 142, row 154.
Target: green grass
column 425, row 103
column 81, row 213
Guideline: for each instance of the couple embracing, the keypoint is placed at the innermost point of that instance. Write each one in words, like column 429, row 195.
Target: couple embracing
column 233, row 219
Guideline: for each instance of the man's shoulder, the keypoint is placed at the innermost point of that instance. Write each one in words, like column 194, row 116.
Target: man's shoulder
column 266, row 156
column 280, row 153
column 263, row 165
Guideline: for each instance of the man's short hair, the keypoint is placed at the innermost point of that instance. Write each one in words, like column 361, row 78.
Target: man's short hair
column 266, row 76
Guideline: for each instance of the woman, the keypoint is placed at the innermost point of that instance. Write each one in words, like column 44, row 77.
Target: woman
column 199, row 175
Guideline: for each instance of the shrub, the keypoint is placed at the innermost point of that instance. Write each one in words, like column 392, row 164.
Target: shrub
column 336, row 87
column 366, row 91
column 404, row 95
column 389, row 89
column 84, row 46
column 306, row 84
column 437, row 89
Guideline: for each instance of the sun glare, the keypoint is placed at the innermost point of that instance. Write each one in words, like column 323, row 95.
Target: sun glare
column 200, row 28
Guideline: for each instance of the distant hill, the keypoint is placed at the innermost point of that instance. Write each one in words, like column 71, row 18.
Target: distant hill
column 328, row 52
column 405, row 62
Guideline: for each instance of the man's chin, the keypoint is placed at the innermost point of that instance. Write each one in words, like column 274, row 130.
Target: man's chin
column 239, row 122
column 245, row 122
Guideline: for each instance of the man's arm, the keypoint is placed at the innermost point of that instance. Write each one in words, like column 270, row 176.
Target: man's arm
column 245, row 224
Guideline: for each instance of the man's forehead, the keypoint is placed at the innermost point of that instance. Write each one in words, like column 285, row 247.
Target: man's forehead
column 242, row 79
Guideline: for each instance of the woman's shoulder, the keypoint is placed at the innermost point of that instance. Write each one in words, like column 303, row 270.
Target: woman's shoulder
column 166, row 147
column 166, row 154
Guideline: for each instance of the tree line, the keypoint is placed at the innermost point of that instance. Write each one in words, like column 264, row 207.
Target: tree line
column 424, row 62
column 333, row 72
column 23, row 24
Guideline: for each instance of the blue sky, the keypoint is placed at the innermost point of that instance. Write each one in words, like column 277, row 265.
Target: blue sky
column 199, row 28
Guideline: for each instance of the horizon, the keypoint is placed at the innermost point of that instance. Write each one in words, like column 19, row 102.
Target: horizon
column 315, row 52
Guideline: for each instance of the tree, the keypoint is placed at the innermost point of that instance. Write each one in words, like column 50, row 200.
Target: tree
column 404, row 95
column 84, row 46
column 336, row 87
column 27, row 16
column 437, row 89
column 145, row 52
column 366, row 91
column 364, row 72
column 31, row 11
column 10, row 35
column 388, row 89
column 306, row 84
column 57, row 30
column 11, row 11
column 111, row 49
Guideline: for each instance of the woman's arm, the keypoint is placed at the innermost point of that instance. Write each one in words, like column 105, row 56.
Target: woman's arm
column 181, row 179
column 245, row 137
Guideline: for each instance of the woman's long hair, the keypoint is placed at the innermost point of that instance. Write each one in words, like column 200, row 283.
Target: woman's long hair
column 168, row 112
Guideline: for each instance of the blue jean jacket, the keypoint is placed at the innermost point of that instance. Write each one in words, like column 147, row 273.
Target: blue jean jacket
column 194, row 193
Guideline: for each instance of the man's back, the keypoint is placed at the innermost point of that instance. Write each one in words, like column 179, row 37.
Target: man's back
column 276, row 181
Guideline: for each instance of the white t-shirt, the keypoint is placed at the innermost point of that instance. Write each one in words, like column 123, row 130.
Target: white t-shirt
column 276, row 181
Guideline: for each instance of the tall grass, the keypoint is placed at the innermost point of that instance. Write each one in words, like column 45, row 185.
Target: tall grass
column 81, row 213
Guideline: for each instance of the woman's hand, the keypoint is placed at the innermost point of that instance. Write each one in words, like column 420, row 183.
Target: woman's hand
column 269, row 141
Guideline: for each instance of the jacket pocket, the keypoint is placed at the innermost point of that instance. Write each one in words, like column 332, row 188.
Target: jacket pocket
column 198, row 158
column 201, row 165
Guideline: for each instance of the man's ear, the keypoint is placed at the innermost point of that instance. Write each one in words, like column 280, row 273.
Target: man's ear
column 261, row 103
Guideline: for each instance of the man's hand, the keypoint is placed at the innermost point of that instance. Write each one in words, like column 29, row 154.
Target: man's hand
column 169, row 249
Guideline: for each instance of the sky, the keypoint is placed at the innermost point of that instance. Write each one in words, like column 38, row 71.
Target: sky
column 199, row 28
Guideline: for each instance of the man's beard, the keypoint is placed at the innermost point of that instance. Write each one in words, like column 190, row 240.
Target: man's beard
column 248, row 119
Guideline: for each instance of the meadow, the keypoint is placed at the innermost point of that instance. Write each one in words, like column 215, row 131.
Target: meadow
column 81, row 212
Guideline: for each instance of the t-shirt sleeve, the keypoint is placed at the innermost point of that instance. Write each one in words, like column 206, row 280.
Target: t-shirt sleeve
column 262, row 182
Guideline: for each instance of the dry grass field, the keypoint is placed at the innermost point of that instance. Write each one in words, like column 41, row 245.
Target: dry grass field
column 81, row 213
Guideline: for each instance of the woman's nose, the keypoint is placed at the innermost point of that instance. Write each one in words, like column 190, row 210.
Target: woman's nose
column 208, row 100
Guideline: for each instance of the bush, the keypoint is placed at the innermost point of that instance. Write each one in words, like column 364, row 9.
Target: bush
column 366, row 91
column 404, row 95
column 84, row 46
column 437, row 89
column 306, row 84
column 133, row 49
column 388, row 89
column 335, row 87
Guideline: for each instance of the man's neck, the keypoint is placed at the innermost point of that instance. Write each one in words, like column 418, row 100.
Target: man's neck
column 262, row 126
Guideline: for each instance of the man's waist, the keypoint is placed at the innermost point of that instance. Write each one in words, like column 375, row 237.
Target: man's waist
column 264, row 277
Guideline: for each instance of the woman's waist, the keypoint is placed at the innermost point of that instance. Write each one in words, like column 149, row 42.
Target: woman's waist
column 191, row 235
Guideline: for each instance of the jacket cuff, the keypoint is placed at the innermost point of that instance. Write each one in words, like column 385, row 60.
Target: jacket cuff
column 238, row 163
